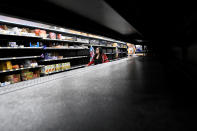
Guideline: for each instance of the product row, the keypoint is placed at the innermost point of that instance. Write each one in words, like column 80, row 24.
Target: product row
column 48, row 69
column 4, row 29
column 42, row 44
column 15, row 78
column 9, row 65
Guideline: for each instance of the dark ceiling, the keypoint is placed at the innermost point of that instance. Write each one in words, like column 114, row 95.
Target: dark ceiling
column 156, row 21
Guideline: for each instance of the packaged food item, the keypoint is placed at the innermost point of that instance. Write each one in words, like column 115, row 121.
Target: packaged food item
column 45, row 70
column 5, row 65
column 52, row 35
column 59, row 36
column 9, row 78
column 49, row 68
column 60, row 57
column 3, row 27
column 26, row 75
column 34, row 63
column 15, row 67
column 43, row 34
column 60, row 66
column 53, row 68
column 114, row 44
column 57, row 67
column 63, row 66
column 16, row 30
column 29, row 75
column 12, row 44
column 67, row 65
column 27, row 63
column 34, row 44
column 37, row 32
column 12, row 78
column 36, row 74
column 16, row 78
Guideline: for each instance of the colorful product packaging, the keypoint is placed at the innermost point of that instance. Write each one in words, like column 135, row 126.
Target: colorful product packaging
column 52, row 35
column 59, row 36
column 42, row 33
column 6, row 65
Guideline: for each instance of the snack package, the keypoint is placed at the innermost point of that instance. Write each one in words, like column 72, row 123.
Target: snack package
column 37, row 32
column 67, row 65
column 44, row 70
column 6, row 65
column 63, row 66
column 29, row 75
column 15, row 67
column 9, row 78
column 12, row 44
column 56, row 67
column 43, row 34
column 16, row 78
column 34, row 44
column 59, row 36
column 114, row 44
column 3, row 27
column 36, row 74
column 53, row 68
column 52, row 35
column 49, row 68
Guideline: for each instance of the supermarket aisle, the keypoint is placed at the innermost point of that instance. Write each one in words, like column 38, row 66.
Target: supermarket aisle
column 124, row 96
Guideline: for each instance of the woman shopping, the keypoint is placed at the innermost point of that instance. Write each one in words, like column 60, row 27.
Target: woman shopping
column 98, row 58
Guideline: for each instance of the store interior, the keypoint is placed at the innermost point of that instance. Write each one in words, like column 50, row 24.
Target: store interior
column 142, row 72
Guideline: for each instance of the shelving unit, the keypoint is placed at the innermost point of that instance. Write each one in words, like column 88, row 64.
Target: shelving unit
column 43, row 50
column 67, row 58
column 34, row 48
column 17, row 58
column 5, row 71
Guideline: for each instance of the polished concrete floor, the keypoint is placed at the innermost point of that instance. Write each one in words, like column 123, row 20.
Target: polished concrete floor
column 138, row 94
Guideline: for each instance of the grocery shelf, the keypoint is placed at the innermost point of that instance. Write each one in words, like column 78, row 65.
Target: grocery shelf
column 5, row 71
column 17, row 58
column 27, row 23
column 54, row 48
column 66, row 58
column 71, row 41
column 21, row 48
column 15, row 35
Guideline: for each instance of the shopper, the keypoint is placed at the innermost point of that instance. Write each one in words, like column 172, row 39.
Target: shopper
column 98, row 58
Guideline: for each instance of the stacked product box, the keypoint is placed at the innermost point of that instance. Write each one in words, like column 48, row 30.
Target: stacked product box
column 55, row 68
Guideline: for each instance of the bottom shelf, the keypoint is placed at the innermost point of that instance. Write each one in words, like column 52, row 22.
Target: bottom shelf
column 45, row 77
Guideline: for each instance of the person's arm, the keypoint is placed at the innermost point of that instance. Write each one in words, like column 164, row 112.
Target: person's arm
column 105, row 59
column 91, row 62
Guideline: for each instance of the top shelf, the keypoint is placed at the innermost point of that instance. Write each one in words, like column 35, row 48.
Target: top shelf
column 27, row 23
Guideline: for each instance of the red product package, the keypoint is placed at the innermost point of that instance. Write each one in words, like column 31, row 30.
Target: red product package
column 37, row 32
column 52, row 35
column 59, row 36
column 43, row 33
